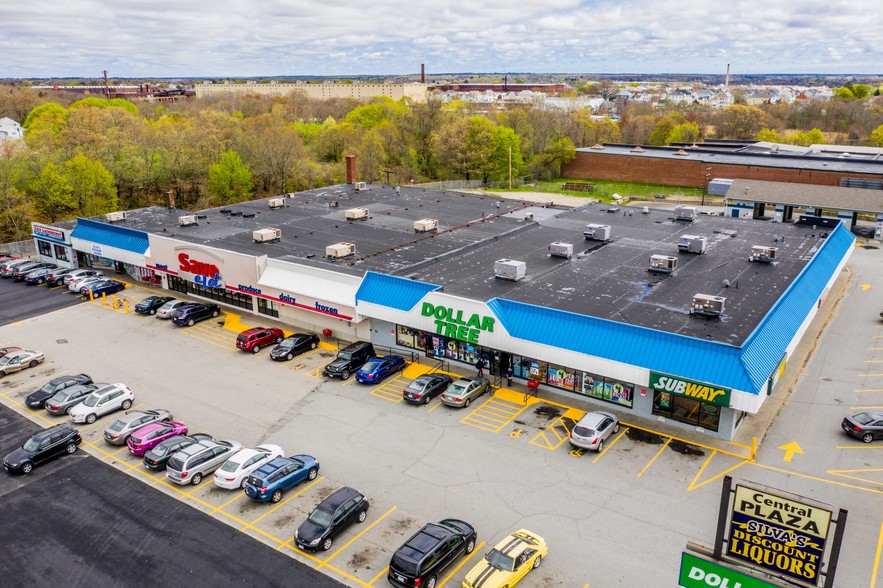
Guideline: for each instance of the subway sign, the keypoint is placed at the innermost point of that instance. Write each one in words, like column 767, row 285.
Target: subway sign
column 690, row 388
column 697, row 572
column 781, row 535
column 453, row 323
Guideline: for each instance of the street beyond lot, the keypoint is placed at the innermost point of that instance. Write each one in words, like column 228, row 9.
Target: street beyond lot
column 614, row 519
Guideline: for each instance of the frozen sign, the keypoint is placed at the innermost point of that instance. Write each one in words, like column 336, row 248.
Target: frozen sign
column 205, row 274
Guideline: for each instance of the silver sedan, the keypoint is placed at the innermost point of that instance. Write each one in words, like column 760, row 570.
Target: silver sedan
column 462, row 392
column 119, row 430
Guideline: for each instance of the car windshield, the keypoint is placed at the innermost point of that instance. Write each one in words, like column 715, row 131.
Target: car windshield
column 320, row 518
column 5, row 359
column 370, row 366
column 91, row 400
column 583, row 432
column 457, row 389
column 169, row 305
column 117, row 425
column 48, row 387
column 344, row 355
column 31, row 444
column 59, row 397
column 230, row 466
column 287, row 343
column 499, row 560
column 863, row 418
column 160, row 450
column 404, row 565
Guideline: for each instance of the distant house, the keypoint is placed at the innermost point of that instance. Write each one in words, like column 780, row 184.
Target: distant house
column 9, row 129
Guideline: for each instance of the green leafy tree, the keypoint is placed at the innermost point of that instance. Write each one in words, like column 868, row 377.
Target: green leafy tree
column 229, row 180
column 508, row 149
column 844, row 93
column 687, row 132
column 16, row 209
column 91, row 186
column 89, row 102
column 876, row 137
column 769, row 135
column 557, row 154
column 371, row 156
column 52, row 194
column 124, row 104
column 467, row 147
column 740, row 122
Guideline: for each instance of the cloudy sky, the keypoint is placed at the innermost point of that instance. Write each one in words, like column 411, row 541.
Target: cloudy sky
column 250, row 38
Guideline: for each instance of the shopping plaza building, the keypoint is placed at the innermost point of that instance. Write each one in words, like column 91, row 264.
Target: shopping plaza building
column 663, row 315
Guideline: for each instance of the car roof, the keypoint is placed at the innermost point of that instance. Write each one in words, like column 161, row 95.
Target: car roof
column 272, row 465
column 55, row 429
column 338, row 498
column 594, row 417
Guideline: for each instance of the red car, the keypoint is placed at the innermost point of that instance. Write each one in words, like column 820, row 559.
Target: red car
column 253, row 339
column 150, row 435
column 5, row 350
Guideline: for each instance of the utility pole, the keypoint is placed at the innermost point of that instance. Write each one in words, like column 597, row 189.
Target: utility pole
column 510, row 167
column 106, row 87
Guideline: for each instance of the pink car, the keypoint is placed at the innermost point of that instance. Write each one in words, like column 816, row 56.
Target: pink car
column 152, row 434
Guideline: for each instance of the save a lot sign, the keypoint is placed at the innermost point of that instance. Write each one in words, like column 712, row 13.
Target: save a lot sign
column 685, row 387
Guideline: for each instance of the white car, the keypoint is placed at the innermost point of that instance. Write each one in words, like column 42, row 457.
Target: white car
column 80, row 273
column 106, row 399
column 166, row 310
column 77, row 284
column 235, row 471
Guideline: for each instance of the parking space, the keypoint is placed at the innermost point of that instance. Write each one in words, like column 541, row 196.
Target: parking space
column 502, row 462
column 19, row 301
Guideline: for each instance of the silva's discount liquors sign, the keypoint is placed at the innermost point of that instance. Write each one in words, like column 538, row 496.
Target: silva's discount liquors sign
column 782, row 535
column 684, row 387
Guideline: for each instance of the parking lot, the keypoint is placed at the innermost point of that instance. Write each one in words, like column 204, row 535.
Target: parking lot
column 610, row 519
column 19, row 301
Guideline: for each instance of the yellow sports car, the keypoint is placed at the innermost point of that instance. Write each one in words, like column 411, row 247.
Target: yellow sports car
column 508, row 562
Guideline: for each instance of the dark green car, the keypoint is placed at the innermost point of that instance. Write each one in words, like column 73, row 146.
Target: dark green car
column 157, row 458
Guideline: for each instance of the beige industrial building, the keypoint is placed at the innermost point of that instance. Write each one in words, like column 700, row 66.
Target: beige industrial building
column 415, row 91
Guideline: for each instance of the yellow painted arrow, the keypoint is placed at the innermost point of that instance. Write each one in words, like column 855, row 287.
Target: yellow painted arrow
column 865, row 287
column 790, row 449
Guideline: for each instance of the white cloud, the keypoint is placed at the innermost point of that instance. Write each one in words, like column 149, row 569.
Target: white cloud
column 132, row 38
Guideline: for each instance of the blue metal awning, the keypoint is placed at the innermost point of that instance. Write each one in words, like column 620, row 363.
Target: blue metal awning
column 111, row 235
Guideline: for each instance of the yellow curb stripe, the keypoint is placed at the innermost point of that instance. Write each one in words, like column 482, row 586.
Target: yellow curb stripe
column 295, row 495
column 475, row 550
column 611, row 444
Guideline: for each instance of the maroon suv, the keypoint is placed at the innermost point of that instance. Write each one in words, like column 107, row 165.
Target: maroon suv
column 254, row 339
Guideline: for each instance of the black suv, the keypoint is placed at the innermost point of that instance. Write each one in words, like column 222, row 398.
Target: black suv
column 349, row 360
column 330, row 518
column 41, row 447
column 423, row 557
column 38, row 399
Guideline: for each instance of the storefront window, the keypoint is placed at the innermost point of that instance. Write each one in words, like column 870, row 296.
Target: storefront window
column 218, row 294
column 686, row 410
column 44, row 248
column 562, row 377
column 61, row 253
column 268, row 307
column 607, row 389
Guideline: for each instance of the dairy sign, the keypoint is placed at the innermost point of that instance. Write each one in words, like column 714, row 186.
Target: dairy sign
column 782, row 535
column 455, row 324
column 205, row 274
column 684, row 387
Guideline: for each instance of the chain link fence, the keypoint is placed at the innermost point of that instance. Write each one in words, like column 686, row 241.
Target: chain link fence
column 19, row 249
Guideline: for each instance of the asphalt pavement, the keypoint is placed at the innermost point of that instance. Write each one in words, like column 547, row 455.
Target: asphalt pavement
column 76, row 521
column 19, row 301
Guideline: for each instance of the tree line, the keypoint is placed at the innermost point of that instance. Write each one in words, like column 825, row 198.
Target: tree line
column 89, row 156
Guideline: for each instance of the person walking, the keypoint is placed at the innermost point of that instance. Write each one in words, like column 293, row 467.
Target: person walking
column 480, row 363
column 509, row 375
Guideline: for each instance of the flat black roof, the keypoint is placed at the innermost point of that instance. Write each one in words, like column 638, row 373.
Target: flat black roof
column 758, row 154
column 608, row 280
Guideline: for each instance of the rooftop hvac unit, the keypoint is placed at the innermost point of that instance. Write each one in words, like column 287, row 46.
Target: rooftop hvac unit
column 425, row 225
column 361, row 186
column 597, row 232
column 685, row 213
column 187, row 220
column 508, row 269
column 664, row 264
column 339, row 250
column 277, row 202
column 558, row 249
column 113, row 217
column 692, row 244
column 356, row 213
column 266, row 235
column 708, row 305
column 762, row 254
